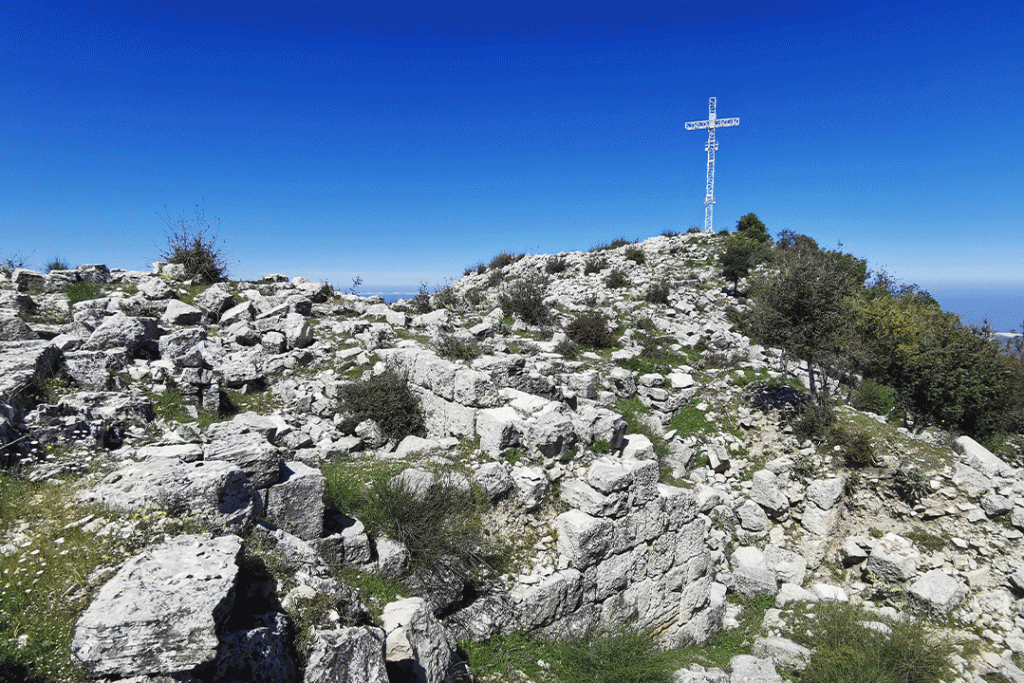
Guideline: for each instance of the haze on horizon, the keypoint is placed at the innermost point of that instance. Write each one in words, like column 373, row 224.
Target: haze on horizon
column 402, row 143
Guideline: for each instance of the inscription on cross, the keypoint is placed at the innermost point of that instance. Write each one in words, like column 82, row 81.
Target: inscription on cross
column 711, row 124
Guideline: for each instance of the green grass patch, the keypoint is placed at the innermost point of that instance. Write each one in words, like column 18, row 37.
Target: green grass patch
column 82, row 291
column 846, row 648
column 689, row 420
column 44, row 580
column 374, row 590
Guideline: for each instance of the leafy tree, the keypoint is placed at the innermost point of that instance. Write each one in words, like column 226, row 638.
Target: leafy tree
column 805, row 305
column 751, row 226
column 739, row 257
column 944, row 373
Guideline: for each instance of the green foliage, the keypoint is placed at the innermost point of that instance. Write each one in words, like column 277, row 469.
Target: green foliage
column 813, row 421
column 590, row 329
column 874, row 397
column 601, row 446
column 568, row 349
column 636, row 255
column 847, row 650
column 804, row 468
column 942, row 372
column 657, row 292
column 375, row 591
column 751, row 227
column 910, row 485
column 191, row 245
column 805, row 304
column 82, row 291
column 625, row 655
column 594, row 264
column 616, row 279
column 524, row 298
column 387, row 400
column 555, row 264
column 451, row 346
column 689, row 420
column 856, row 446
column 928, row 542
column 57, row 263
column 503, row 259
column 740, row 256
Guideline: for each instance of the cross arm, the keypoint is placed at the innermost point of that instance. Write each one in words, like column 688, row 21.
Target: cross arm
column 694, row 125
column 721, row 123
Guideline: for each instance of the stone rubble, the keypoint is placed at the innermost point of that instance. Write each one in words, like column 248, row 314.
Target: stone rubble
column 540, row 434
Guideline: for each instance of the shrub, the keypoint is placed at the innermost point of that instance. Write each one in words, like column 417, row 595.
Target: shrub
column 12, row 263
column 503, row 259
column 421, row 302
column 636, row 255
column 910, row 485
column 616, row 279
column 657, row 292
column 450, row 346
column 670, row 233
column 387, row 400
column 813, row 421
column 874, row 397
column 777, row 395
column 446, row 297
column 525, row 298
column 191, row 246
column 626, row 655
column 555, row 264
column 847, row 648
column 856, row 446
column 57, row 263
column 590, row 329
column 568, row 349
column 81, row 291
column 594, row 264
column 614, row 244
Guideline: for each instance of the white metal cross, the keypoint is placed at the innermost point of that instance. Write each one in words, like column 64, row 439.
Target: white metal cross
column 712, row 123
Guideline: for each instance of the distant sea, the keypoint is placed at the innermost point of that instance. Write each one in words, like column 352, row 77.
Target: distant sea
column 1004, row 308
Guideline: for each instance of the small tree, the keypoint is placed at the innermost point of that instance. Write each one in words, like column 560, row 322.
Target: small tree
column 191, row 245
column 739, row 257
column 752, row 227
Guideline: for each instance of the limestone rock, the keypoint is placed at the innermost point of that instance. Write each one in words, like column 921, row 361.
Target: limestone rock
column 260, row 654
column 216, row 491
column 161, row 612
column 347, row 655
column 296, row 502
column 417, row 644
column 937, row 591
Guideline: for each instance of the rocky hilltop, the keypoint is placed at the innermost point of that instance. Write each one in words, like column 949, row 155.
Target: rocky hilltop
column 275, row 481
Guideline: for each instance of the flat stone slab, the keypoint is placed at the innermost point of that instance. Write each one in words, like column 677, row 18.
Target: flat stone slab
column 160, row 612
column 23, row 364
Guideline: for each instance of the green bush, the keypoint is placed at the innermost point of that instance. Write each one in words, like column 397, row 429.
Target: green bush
column 81, row 291
column 626, row 655
column 555, row 264
column 387, row 400
column 594, row 264
column 191, row 246
column 856, row 446
column 503, row 259
column 847, row 650
column 636, row 255
column 450, row 346
column 657, row 292
column 910, row 485
column 616, row 279
column 590, row 329
column 873, row 397
column 568, row 349
column 525, row 298
column 813, row 421
column 689, row 421
column 57, row 263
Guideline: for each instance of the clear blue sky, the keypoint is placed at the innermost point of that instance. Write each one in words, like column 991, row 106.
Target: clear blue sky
column 403, row 143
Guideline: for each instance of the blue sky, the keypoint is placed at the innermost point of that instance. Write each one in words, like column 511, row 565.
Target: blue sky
column 404, row 142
